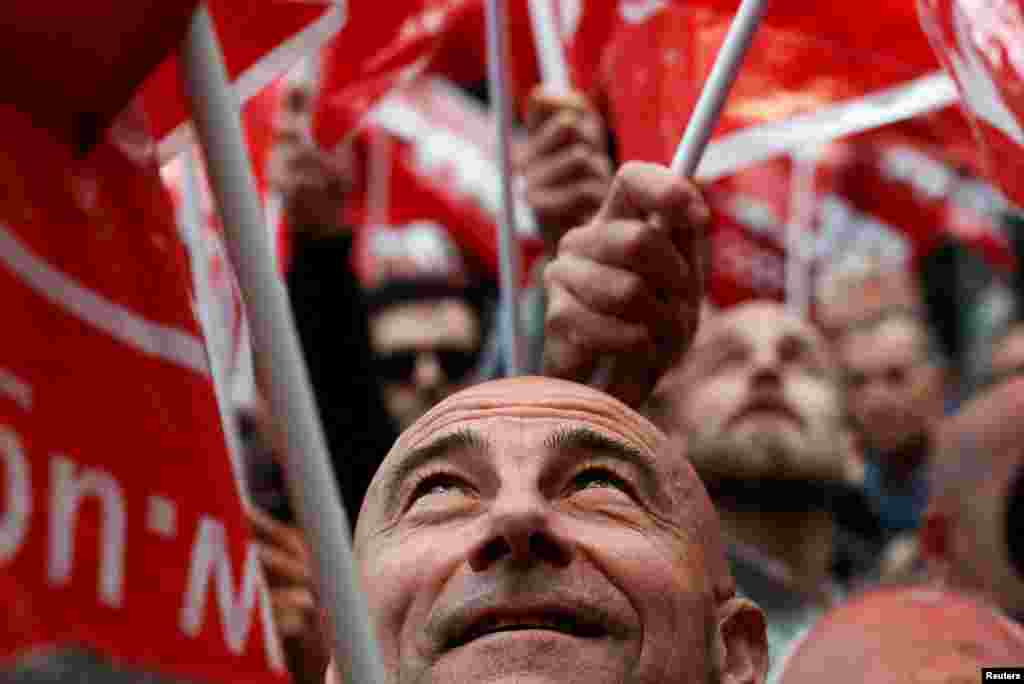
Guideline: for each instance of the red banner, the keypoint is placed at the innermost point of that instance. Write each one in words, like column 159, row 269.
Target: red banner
column 259, row 40
column 121, row 523
column 387, row 45
column 433, row 148
column 72, row 67
column 980, row 44
column 802, row 60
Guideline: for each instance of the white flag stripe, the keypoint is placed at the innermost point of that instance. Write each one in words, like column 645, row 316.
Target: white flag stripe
column 258, row 76
column 167, row 343
column 761, row 143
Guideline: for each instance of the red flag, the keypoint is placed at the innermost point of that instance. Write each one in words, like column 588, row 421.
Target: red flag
column 122, row 524
column 802, row 60
column 387, row 45
column 979, row 43
column 259, row 40
column 73, row 68
column 440, row 164
column 810, row 76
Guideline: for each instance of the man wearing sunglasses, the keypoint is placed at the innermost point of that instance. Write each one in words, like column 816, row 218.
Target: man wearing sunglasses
column 426, row 334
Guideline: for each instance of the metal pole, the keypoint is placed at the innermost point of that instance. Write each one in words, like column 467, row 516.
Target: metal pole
column 497, row 51
column 216, row 114
column 716, row 89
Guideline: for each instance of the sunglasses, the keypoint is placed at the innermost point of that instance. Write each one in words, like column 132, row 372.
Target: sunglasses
column 399, row 365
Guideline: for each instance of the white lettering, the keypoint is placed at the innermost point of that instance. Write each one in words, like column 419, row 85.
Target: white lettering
column 16, row 389
column 15, row 520
column 67, row 494
column 210, row 557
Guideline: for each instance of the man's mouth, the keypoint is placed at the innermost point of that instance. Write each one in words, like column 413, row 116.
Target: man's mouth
column 772, row 409
column 552, row 621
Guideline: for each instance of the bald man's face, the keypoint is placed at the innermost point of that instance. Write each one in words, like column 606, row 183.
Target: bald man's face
column 896, row 635
column 978, row 500
column 757, row 398
column 537, row 532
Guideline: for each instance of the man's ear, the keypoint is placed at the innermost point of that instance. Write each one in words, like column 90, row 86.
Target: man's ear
column 741, row 643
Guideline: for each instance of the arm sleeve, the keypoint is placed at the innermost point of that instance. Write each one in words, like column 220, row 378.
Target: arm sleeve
column 333, row 326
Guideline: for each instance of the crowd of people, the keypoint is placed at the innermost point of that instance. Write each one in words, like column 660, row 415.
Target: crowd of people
column 670, row 489
column 740, row 495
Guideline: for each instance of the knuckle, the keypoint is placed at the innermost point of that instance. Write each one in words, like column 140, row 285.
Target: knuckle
column 629, row 289
column 636, row 237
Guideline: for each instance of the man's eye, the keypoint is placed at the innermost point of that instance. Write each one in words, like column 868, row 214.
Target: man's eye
column 593, row 478
column 436, row 485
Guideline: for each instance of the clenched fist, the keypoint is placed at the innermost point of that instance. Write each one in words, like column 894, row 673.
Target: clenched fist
column 625, row 289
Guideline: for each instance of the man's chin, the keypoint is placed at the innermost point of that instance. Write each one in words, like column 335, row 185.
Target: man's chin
column 532, row 657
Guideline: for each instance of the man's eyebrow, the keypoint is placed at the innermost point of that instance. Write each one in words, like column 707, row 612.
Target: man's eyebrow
column 434, row 450
column 586, row 439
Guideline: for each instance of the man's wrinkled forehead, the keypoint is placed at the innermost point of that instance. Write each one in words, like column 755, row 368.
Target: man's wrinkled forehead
column 533, row 397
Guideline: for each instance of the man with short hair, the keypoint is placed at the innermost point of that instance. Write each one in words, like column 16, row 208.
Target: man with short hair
column 533, row 529
column 895, row 393
column 756, row 408
column 973, row 532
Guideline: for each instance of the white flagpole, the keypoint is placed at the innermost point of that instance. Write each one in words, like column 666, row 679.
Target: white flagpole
column 553, row 69
column 705, row 116
column 497, row 52
column 216, row 113
column 716, row 90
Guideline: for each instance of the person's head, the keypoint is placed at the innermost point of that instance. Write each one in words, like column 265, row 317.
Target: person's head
column 973, row 531
column 1007, row 357
column 757, row 397
column 897, row 635
column 426, row 337
column 536, row 530
column 895, row 389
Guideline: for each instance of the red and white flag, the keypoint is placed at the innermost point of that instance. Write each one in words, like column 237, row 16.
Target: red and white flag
column 260, row 40
column 433, row 149
column 388, row 45
column 981, row 45
column 119, row 502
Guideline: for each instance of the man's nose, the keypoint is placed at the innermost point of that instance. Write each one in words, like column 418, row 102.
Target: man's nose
column 428, row 371
column 767, row 373
column 519, row 531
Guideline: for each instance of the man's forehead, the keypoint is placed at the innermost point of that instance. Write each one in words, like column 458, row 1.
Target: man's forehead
column 758, row 321
column 536, row 399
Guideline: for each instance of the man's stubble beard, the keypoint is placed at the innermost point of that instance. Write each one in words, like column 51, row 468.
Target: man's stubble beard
column 760, row 453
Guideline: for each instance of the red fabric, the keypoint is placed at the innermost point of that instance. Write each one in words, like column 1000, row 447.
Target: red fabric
column 104, row 383
column 446, row 171
column 74, row 67
column 979, row 43
column 800, row 61
column 385, row 45
column 249, row 33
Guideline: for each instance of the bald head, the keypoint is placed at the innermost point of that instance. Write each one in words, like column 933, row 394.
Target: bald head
column 560, row 403
column 973, row 528
column 536, row 527
column 905, row 634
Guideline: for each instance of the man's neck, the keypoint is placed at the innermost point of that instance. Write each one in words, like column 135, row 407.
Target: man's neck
column 800, row 542
column 900, row 464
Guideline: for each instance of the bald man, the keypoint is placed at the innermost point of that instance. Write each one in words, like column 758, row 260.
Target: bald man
column 973, row 533
column 537, row 530
column 900, row 635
